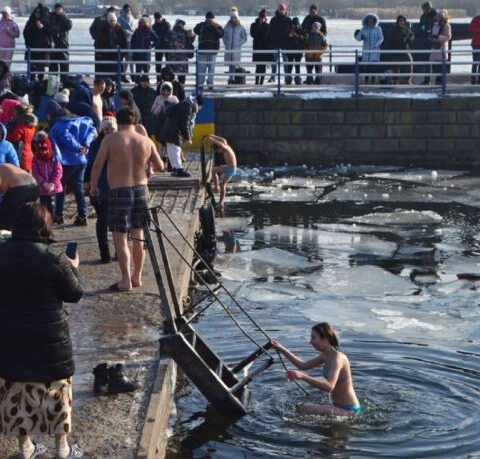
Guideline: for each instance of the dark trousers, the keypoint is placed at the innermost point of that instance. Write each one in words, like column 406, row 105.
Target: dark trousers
column 73, row 176
column 63, row 67
column 476, row 64
column 158, row 66
column 141, row 68
column 47, row 202
column 101, row 208
column 260, row 70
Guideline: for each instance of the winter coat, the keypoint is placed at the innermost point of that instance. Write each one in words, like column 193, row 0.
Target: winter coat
column 23, row 132
column 279, row 26
column 35, row 343
column 143, row 38
column 67, row 135
column 474, row 29
column 398, row 39
column 45, row 173
column 425, row 25
column 127, row 23
column 106, row 40
column 95, row 27
column 309, row 20
column 443, row 34
column 262, row 40
column 7, row 151
column 179, row 121
column 180, row 39
column 317, row 42
column 144, row 100
column 234, row 37
column 60, row 25
column 372, row 38
column 297, row 39
column 208, row 35
column 162, row 29
column 38, row 38
column 92, row 155
column 9, row 31
column 7, row 110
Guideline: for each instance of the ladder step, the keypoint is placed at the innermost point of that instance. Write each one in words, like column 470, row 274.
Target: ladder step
column 252, row 375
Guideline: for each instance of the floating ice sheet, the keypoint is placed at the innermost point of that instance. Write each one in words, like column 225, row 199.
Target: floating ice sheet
column 399, row 218
column 288, row 195
column 262, row 263
column 327, row 240
column 228, row 224
column 302, row 182
column 418, row 175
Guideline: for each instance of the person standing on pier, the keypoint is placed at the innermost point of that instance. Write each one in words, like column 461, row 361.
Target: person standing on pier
column 143, row 38
column 279, row 26
column 441, row 35
column 209, row 33
column 179, row 41
column 162, row 28
column 129, row 156
column 262, row 41
column 9, row 31
column 372, row 36
column 234, row 38
column 474, row 29
column 127, row 22
column 60, row 25
column 422, row 38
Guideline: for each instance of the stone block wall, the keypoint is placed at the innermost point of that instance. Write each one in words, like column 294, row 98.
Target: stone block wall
column 439, row 132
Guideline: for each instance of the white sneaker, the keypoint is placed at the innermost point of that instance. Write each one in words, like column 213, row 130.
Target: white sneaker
column 40, row 450
column 74, row 452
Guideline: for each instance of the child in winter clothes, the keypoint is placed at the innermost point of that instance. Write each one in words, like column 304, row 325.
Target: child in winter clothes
column 317, row 42
column 46, row 170
column 7, row 151
column 21, row 131
column 164, row 97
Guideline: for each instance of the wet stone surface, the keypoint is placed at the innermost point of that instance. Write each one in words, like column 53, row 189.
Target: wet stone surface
column 113, row 328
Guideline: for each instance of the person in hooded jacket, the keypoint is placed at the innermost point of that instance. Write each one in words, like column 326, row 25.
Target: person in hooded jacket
column 372, row 37
column 60, row 26
column 178, row 89
column 143, row 96
column 400, row 38
column 9, row 31
column 279, row 26
column 262, row 41
column 234, row 37
column 179, row 40
column 108, row 97
column 143, row 38
column 37, row 34
column 71, row 137
column 21, row 132
column 7, row 150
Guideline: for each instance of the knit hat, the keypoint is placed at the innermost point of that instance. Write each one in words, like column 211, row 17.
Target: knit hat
column 7, row 9
column 180, row 22
column 62, row 97
column 282, row 7
column 42, row 147
column 167, row 84
column 109, row 122
column 210, row 15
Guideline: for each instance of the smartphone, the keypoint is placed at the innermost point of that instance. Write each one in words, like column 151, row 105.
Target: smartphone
column 71, row 250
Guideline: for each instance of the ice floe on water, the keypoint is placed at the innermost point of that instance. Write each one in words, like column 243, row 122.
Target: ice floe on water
column 288, row 195
column 229, row 224
column 418, row 175
column 326, row 240
column 263, row 263
column 359, row 281
column 302, row 182
column 401, row 217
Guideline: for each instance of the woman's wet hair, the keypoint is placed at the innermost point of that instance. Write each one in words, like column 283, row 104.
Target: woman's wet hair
column 33, row 221
column 325, row 330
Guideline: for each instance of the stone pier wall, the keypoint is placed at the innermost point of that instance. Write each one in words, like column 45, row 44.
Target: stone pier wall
column 439, row 132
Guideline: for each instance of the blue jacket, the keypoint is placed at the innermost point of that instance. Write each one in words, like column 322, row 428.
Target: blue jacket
column 68, row 134
column 7, row 151
column 372, row 38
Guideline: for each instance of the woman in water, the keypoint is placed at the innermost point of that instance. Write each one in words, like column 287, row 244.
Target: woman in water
column 337, row 377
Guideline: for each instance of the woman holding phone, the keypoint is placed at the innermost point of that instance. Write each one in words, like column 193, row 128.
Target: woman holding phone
column 36, row 359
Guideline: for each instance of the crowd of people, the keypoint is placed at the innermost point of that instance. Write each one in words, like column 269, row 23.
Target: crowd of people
column 130, row 40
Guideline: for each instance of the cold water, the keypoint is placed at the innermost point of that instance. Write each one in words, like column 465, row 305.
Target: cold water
column 390, row 257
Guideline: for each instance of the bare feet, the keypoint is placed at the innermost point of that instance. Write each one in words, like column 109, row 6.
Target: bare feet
column 136, row 283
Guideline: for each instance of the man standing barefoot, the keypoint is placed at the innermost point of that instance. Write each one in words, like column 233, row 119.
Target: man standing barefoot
column 221, row 174
column 130, row 155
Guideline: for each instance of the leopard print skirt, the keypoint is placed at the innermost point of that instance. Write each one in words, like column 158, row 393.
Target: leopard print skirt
column 35, row 408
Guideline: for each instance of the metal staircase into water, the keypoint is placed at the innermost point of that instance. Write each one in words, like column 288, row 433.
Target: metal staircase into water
column 216, row 380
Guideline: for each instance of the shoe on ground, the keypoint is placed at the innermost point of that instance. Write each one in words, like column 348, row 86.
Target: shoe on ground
column 80, row 221
column 118, row 383
column 40, row 450
column 182, row 173
column 271, row 80
column 59, row 220
column 74, row 452
column 210, row 87
column 100, row 381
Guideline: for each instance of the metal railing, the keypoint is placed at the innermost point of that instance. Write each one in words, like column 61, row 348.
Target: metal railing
column 339, row 69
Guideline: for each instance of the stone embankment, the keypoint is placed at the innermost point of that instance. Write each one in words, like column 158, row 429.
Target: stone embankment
column 434, row 132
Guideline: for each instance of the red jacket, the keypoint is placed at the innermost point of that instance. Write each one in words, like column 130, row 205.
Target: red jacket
column 474, row 29
column 23, row 131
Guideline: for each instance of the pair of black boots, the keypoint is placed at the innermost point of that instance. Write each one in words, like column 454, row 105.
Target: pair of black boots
column 112, row 380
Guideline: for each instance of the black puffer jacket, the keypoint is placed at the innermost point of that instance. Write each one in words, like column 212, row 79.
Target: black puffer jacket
column 35, row 343
column 279, row 26
column 178, row 125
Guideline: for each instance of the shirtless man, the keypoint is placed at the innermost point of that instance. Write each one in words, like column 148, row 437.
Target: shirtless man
column 17, row 188
column 97, row 102
column 129, row 156
column 222, row 174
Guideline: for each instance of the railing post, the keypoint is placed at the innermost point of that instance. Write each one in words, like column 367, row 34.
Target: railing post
column 330, row 58
column 357, row 75
column 29, row 63
column 279, row 72
column 197, row 75
column 444, row 73
column 119, row 65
